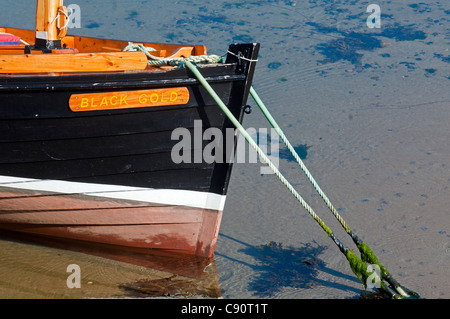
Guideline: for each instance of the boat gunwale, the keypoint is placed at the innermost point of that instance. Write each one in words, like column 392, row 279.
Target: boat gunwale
column 74, row 40
column 111, row 80
column 85, row 54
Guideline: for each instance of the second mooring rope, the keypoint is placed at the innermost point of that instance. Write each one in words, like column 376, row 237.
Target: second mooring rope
column 357, row 265
column 367, row 254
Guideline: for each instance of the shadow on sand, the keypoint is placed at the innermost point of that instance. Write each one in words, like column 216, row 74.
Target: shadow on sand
column 279, row 267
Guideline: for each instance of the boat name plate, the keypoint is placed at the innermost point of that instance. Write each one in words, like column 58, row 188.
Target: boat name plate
column 128, row 99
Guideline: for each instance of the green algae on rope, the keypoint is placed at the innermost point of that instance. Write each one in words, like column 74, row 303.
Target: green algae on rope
column 355, row 263
column 359, row 268
column 367, row 254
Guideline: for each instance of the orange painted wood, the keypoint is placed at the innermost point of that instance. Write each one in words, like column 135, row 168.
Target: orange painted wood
column 40, row 15
column 128, row 99
column 26, row 35
column 200, row 50
column 65, row 51
column 51, row 11
column 62, row 22
column 11, row 49
column 182, row 52
column 88, row 44
column 79, row 62
column 68, row 42
column 46, row 12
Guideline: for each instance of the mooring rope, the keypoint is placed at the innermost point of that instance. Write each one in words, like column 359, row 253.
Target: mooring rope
column 358, row 267
column 161, row 61
column 283, row 137
column 367, row 254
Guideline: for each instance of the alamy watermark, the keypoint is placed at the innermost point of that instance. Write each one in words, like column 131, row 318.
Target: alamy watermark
column 74, row 279
column 374, row 20
column 373, row 280
column 223, row 147
column 74, row 16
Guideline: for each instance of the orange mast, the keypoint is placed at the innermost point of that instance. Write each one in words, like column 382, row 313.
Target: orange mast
column 51, row 24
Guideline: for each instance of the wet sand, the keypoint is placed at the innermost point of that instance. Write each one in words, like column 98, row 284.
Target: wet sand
column 368, row 108
column 72, row 271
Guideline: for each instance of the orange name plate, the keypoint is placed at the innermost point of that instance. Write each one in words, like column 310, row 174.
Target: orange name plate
column 128, row 99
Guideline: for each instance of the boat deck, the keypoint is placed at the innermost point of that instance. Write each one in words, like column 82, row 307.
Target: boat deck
column 85, row 54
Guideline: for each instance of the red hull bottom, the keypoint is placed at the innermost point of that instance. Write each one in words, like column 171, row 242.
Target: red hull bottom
column 181, row 229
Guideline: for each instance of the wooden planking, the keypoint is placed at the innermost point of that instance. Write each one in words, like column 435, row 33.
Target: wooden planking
column 98, row 147
column 70, row 210
column 49, row 96
column 102, row 216
column 95, row 147
column 209, row 231
column 170, row 227
column 195, row 179
column 135, row 161
column 11, row 49
column 181, row 237
column 88, row 167
column 89, row 44
column 78, row 62
column 28, row 130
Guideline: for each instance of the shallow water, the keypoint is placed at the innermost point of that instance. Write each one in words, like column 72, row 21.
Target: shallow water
column 368, row 111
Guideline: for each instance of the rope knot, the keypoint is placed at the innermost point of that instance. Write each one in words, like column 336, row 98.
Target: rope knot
column 162, row 61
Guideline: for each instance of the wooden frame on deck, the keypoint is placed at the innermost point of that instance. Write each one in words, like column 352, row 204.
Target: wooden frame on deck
column 87, row 55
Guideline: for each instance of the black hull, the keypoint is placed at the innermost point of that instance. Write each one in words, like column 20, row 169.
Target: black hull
column 107, row 176
column 41, row 138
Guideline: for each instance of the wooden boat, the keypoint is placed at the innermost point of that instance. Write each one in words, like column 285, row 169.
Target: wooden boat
column 85, row 138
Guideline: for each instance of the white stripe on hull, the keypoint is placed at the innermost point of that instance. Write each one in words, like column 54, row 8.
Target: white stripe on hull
column 159, row 196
